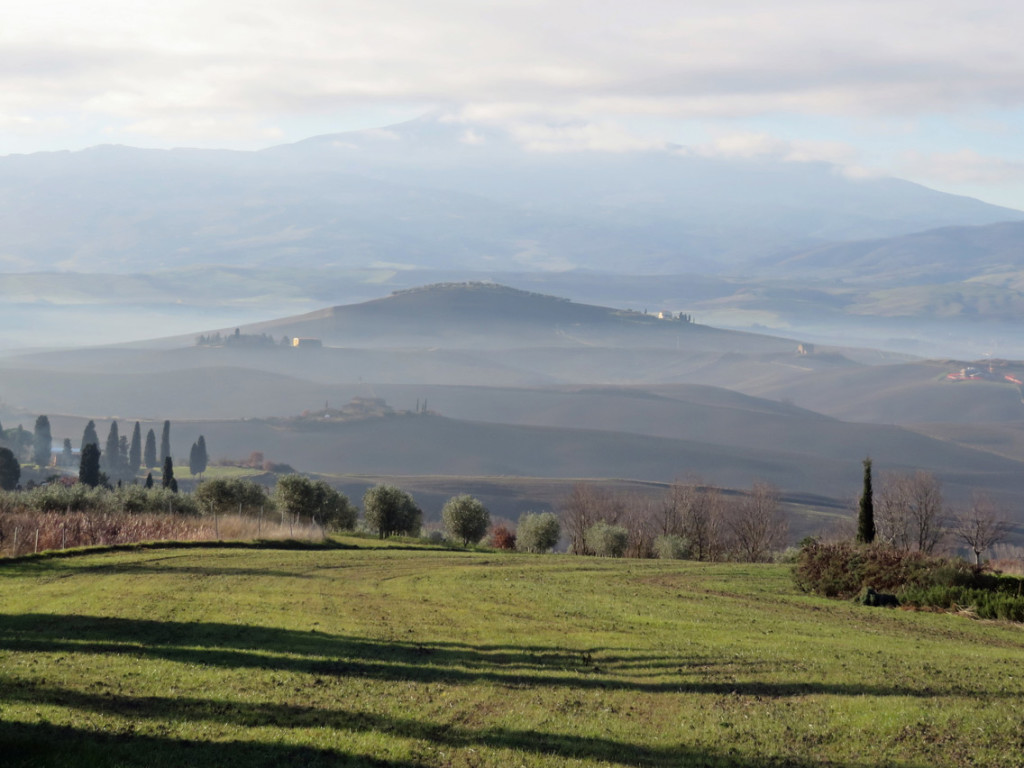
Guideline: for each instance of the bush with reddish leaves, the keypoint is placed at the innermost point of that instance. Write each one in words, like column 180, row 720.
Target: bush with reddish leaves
column 502, row 538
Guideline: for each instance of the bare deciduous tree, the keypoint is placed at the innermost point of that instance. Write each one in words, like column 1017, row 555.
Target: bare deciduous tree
column 584, row 506
column 695, row 512
column 640, row 519
column 757, row 523
column 981, row 525
column 910, row 513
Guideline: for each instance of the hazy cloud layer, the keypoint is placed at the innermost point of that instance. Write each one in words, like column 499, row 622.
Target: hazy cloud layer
column 605, row 75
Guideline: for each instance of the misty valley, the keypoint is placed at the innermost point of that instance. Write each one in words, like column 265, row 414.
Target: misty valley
column 517, row 396
column 424, row 446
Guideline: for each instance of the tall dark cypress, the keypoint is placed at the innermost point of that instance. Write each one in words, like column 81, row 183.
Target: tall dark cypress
column 866, row 516
column 149, row 454
column 89, row 466
column 202, row 457
column 168, row 479
column 135, row 449
column 89, row 436
column 42, row 442
column 112, row 455
column 165, row 442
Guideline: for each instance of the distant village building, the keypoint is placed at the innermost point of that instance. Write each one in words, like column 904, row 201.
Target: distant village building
column 307, row 343
column 805, row 350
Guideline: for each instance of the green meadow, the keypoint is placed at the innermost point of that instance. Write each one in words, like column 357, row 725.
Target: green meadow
column 393, row 654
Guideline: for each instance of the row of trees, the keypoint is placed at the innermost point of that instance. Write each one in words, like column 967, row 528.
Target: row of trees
column 693, row 521
column 122, row 459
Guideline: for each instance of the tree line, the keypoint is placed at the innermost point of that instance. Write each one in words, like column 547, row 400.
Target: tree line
column 909, row 514
column 119, row 461
column 693, row 520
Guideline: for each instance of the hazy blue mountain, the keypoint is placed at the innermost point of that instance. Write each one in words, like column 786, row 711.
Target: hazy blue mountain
column 935, row 256
column 436, row 195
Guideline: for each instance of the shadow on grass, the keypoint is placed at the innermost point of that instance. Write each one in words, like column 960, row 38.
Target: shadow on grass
column 43, row 744
column 278, row 544
column 240, row 646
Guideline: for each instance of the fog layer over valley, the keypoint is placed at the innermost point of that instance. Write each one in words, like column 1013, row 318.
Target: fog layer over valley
column 483, row 381
column 115, row 243
column 405, row 302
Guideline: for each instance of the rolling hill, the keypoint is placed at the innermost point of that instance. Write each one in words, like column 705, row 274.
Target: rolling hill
column 526, row 385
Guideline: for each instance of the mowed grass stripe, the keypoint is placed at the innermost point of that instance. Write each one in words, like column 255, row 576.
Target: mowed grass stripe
column 431, row 657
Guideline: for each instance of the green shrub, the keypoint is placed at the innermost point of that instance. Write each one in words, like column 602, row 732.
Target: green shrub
column 465, row 518
column 832, row 570
column 389, row 511
column 537, row 532
column 673, row 547
column 846, row 569
column 606, row 540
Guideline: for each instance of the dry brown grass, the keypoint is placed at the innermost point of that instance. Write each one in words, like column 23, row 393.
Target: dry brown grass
column 1008, row 559
column 25, row 532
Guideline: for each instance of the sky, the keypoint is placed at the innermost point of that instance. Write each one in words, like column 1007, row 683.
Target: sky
column 928, row 90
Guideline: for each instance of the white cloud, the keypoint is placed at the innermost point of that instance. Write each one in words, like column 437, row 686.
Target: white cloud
column 558, row 74
column 962, row 167
column 126, row 59
column 750, row 146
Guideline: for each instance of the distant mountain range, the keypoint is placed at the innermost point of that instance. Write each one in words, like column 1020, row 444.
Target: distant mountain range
column 434, row 195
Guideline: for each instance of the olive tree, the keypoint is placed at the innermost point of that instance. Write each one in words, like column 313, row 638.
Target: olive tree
column 606, row 540
column 224, row 496
column 465, row 518
column 298, row 495
column 671, row 546
column 389, row 510
column 537, row 532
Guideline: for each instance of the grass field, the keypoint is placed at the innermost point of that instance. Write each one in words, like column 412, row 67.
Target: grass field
column 356, row 653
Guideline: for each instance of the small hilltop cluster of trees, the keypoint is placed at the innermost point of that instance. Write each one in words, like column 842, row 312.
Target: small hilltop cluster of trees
column 239, row 339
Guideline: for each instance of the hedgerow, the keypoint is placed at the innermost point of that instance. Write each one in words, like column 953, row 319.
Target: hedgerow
column 845, row 570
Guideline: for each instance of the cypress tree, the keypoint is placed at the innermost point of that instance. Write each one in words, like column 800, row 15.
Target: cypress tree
column 135, row 449
column 113, row 452
column 149, row 481
column 201, row 455
column 149, row 454
column 866, row 516
column 89, row 436
column 69, row 453
column 42, row 442
column 165, row 442
column 89, row 466
column 10, row 470
column 168, row 481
